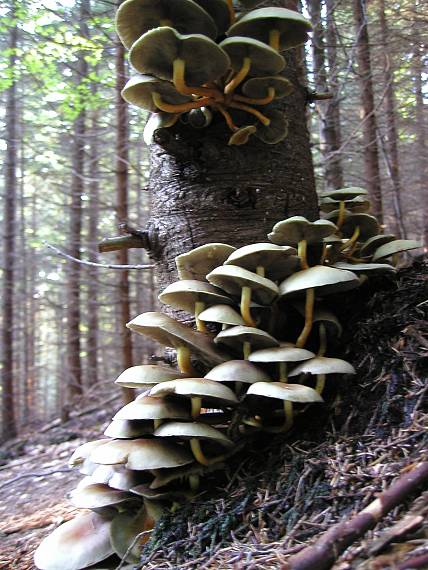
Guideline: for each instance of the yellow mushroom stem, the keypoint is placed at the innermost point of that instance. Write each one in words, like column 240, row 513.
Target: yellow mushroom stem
column 274, row 36
column 288, row 419
column 179, row 68
column 183, row 360
column 245, row 306
column 323, row 340
column 196, row 407
column 239, row 77
column 309, row 312
column 282, row 368
column 324, row 254
column 302, row 253
column 200, row 325
column 260, row 270
column 246, row 349
column 254, row 101
column 232, row 13
column 227, row 117
column 195, row 446
column 179, row 108
column 264, row 120
column 157, row 423
column 352, row 240
column 166, row 22
column 342, row 214
column 319, row 387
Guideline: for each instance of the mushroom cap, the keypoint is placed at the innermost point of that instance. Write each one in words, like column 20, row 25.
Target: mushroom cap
column 116, row 477
column 280, row 354
column 232, row 279
column 150, row 408
column 141, row 454
column 184, row 294
column 242, row 135
column 145, row 375
column 97, row 496
column 139, row 88
column 195, row 264
column 370, row 246
column 345, row 193
column 76, row 544
column 283, row 391
column 326, row 280
column 84, row 452
column 219, row 12
column 129, row 429
column 264, row 59
column 276, row 130
column 236, row 336
column 372, row 268
column 396, row 246
column 297, row 228
column 237, row 371
column 165, row 476
column 223, row 314
column 169, row 332
column 212, row 393
column 136, row 17
column 323, row 365
column 356, row 205
column 190, row 430
column 154, row 54
column 369, row 226
column 158, row 121
column 279, row 261
column 258, row 23
column 258, row 87
column 322, row 315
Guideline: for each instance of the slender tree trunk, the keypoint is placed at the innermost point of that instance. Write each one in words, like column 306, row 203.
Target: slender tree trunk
column 368, row 116
column 420, row 127
column 9, row 236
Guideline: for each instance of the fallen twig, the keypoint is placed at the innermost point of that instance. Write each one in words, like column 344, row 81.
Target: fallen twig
column 35, row 474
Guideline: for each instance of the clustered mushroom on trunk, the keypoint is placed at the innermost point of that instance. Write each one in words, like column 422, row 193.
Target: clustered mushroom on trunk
column 263, row 317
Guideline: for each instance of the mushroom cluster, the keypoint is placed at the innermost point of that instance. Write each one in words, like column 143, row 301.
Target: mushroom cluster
column 196, row 58
column 260, row 355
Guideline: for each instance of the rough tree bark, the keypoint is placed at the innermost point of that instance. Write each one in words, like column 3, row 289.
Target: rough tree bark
column 420, row 126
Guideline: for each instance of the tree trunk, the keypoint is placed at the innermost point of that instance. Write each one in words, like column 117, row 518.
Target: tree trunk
column 368, row 116
column 420, row 127
column 8, row 420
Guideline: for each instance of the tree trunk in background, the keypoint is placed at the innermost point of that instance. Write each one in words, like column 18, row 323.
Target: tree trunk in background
column 122, row 144
column 77, row 188
column 368, row 116
column 391, row 129
column 421, row 146
column 8, row 419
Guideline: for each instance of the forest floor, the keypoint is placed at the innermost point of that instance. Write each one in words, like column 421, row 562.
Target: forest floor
column 258, row 512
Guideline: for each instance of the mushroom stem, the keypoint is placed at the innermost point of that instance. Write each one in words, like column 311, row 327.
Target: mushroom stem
column 302, row 253
column 250, row 101
column 232, row 13
column 264, row 120
column 260, row 270
column 179, row 68
column 246, row 350
column 194, row 482
column 282, row 367
column 239, row 77
column 157, row 423
column 227, row 117
column 200, row 325
column 324, row 254
column 288, row 419
column 183, row 360
column 351, row 241
column 182, row 107
column 196, row 407
column 309, row 311
column 245, row 306
column 319, row 387
column 342, row 214
column 195, row 446
column 323, row 340
column 274, row 39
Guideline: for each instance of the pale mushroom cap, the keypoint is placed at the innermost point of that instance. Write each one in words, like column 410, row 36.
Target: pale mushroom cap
column 323, row 365
column 370, row 246
column 237, row 371
column 97, row 496
column 236, row 336
column 76, row 544
column 141, row 454
column 135, row 17
column 369, row 226
column 372, row 268
column 116, row 477
column 345, row 193
column 322, row 315
column 158, row 121
column 242, row 135
column 258, row 23
column 208, row 390
column 129, row 429
column 357, row 204
column 396, row 246
column 147, row 374
column 279, row 261
column 280, row 354
column 219, row 12
column 258, row 87
column 84, row 451
column 151, row 408
column 155, row 52
column 326, row 280
column 138, row 91
column 223, row 314
column 232, row 279
column 297, row 228
column 276, row 130
column 282, row 391
column 190, row 430
column 184, row 294
column 195, row 264
column 264, row 59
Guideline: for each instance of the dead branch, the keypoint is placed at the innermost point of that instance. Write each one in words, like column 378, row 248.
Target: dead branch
column 35, row 474
column 325, row 551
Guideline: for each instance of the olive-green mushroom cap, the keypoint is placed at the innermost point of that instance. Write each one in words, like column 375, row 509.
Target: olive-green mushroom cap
column 264, row 59
column 371, row 245
column 323, row 365
column 129, row 429
column 141, row 454
column 297, row 228
column 158, row 121
column 394, row 247
column 150, row 408
column 147, row 375
column 169, row 332
column 184, row 294
column 155, row 52
column 190, row 430
column 372, row 268
column 279, row 261
column 139, row 89
column 276, row 130
column 219, row 12
column 326, row 280
column 136, row 17
column 280, row 354
column 258, row 23
column 223, row 314
column 283, row 391
column 195, row 264
column 242, row 135
column 258, row 87
column 212, row 393
column 369, row 226
column 232, row 279
column 97, row 496
column 355, row 205
column 76, row 544
column 238, row 371
column 235, row 337
column 345, row 193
